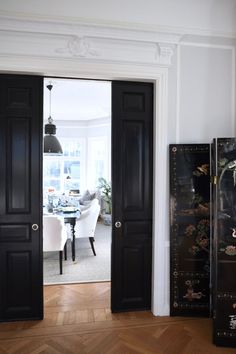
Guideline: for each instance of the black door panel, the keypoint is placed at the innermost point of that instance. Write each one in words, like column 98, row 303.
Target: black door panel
column 21, row 285
column 132, row 120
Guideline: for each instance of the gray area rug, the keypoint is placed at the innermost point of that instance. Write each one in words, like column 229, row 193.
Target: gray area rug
column 87, row 267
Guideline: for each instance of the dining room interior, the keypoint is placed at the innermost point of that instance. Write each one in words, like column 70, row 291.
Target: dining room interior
column 76, row 181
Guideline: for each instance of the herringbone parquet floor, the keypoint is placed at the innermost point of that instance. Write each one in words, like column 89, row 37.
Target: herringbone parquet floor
column 78, row 320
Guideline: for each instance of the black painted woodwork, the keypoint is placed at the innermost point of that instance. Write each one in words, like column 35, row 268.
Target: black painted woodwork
column 190, row 229
column 132, row 166
column 224, row 243
column 21, row 275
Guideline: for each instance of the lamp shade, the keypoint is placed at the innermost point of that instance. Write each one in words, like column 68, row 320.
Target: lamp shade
column 52, row 145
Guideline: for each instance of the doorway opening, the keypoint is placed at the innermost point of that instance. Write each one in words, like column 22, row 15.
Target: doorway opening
column 79, row 180
column 132, row 177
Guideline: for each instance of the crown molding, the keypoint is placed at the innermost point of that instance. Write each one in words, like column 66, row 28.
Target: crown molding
column 57, row 40
column 29, row 36
column 104, row 29
column 9, row 18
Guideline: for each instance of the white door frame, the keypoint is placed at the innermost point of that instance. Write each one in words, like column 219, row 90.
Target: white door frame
column 130, row 72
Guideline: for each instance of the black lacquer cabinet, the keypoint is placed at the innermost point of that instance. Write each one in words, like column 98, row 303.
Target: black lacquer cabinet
column 224, row 241
column 190, row 229
column 203, row 234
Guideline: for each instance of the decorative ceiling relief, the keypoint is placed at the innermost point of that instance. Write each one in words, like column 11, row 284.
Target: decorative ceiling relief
column 164, row 53
column 118, row 49
column 78, row 47
column 41, row 39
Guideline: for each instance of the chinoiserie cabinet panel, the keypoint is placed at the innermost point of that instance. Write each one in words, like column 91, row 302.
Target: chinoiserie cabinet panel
column 224, row 244
column 190, row 229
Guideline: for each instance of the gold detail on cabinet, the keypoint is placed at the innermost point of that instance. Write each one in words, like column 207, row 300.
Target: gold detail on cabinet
column 214, row 180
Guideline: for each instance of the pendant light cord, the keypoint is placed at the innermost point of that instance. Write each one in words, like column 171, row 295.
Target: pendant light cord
column 50, row 86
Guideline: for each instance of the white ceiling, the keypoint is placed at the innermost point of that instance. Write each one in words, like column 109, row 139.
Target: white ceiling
column 73, row 99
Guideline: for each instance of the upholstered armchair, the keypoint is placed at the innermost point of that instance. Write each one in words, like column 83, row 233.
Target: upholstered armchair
column 86, row 224
column 54, row 235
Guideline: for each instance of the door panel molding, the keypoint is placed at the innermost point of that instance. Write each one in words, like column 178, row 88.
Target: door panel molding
column 133, row 166
column 14, row 233
column 18, row 166
column 21, row 256
column 132, row 149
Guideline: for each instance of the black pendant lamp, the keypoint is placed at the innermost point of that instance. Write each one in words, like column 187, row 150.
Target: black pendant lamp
column 51, row 143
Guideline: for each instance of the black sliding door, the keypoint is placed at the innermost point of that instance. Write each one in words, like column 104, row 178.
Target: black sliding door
column 21, row 289
column 132, row 122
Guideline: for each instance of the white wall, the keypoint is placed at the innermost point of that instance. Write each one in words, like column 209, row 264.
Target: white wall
column 206, row 94
column 201, row 93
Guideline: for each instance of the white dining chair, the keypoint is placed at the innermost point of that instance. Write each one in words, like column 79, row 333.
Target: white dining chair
column 54, row 236
column 86, row 224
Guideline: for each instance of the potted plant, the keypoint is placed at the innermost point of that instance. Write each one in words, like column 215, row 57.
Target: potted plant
column 105, row 188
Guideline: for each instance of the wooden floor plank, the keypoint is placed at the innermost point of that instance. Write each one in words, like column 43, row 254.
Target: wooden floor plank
column 78, row 319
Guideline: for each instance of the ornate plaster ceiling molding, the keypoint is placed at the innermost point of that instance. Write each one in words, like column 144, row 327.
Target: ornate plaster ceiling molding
column 63, row 40
column 164, row 53
column 78, row 47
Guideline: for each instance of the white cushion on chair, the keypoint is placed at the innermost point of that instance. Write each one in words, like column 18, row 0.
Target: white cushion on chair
column 86, row 224
column 54, row 233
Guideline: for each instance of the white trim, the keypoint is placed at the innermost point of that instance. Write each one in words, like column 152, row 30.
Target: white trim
column 206, row 45
column 124, row 26
column 178, row 76
column 126, row 71
column 78, row 68
column 93, row 30
column 64, row 41
column 160, row 274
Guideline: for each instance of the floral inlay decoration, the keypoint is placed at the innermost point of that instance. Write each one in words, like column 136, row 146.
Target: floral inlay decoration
column 230, row 250
column 191, row 294
column 200, row 235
